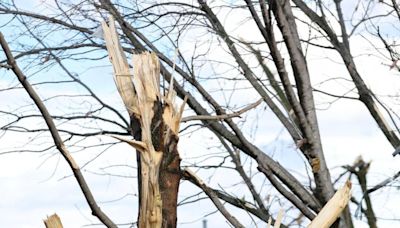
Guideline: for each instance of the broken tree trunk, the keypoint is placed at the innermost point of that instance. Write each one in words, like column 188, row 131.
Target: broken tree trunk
column 155, row 125
column 53, row 221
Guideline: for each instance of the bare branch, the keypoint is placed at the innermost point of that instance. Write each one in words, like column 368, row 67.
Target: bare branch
column 189, row 174
column 225, row 116
column 56, row 137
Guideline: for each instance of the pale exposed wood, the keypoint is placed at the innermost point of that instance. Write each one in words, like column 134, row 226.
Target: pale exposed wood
column 139, row 92
column 122, row 74
column 53, row 221
column 159, row 121
column 279, row 218
column 146, row 81
column 138, row 145
column 332, row 210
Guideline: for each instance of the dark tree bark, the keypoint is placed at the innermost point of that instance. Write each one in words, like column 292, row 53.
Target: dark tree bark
column 360, row 169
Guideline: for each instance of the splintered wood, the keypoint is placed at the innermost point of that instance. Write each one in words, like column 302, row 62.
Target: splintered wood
column 53, row 222
column 122, row 74
column 332, row 210
column 159, row 122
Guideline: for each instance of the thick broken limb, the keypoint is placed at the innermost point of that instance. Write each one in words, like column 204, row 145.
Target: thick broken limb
column 332, row 210
column 157, row 121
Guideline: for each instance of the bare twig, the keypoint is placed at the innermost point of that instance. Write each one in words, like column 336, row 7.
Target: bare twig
column 214, row 198
column 383, row 183
column 225, row 116
column 5, row 66
column 96, row 211
column 235, row 155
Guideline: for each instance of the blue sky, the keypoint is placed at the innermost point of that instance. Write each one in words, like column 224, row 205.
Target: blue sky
column 38, row 184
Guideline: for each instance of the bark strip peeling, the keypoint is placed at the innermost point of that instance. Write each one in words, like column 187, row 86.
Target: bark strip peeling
column 158, row 119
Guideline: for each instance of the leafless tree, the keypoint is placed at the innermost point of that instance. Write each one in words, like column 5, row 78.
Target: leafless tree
column 270, row 65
